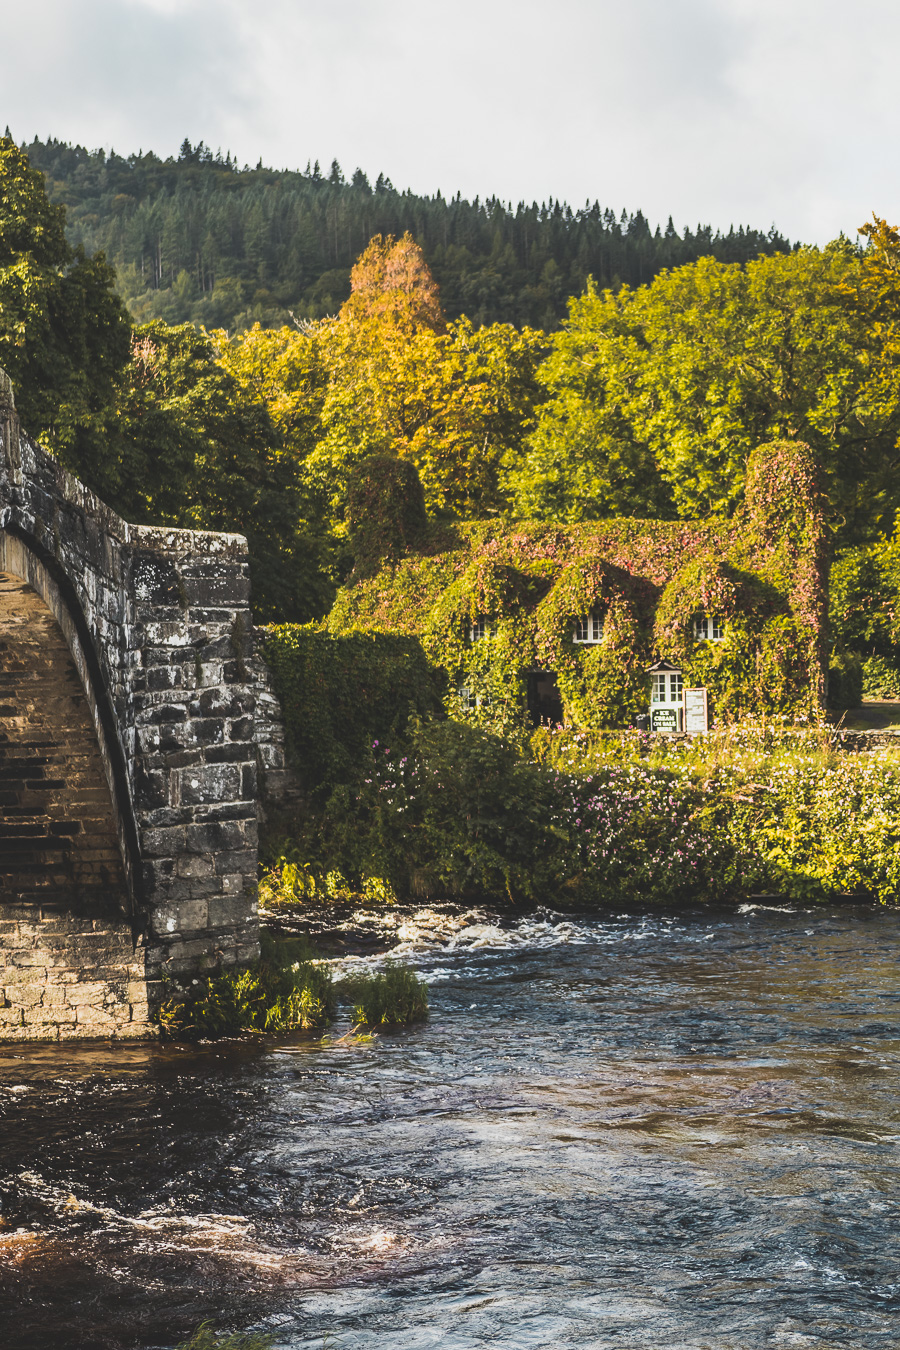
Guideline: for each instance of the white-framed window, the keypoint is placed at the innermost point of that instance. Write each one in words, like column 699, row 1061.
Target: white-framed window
column 667, row 688
column 479, row 628
column 588, row 627
column 708, row 628
column 470, row 700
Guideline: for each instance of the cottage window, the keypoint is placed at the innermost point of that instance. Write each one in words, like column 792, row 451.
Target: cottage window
column 479, row 628
column 470, row 700
column 708, row 628
column 667, row 688
column 588, row 628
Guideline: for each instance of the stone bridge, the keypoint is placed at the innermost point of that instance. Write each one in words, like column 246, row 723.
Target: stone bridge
column 128, row 754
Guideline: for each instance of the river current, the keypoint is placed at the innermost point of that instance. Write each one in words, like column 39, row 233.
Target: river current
column 666, row 1132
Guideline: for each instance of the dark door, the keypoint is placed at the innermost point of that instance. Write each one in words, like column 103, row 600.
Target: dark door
column 544, row 701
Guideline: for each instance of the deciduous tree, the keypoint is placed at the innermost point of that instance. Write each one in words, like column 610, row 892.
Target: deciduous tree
column 64, row 334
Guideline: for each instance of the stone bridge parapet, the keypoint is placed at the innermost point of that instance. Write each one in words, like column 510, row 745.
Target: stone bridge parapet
column 125, row 669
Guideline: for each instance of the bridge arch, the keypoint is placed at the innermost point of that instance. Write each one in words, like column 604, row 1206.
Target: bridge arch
column 26, row 561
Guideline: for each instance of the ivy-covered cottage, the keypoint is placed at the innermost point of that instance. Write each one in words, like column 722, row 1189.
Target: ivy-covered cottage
column 594, row 623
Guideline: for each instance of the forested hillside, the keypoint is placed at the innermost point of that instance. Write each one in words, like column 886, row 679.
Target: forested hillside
column 201, row 239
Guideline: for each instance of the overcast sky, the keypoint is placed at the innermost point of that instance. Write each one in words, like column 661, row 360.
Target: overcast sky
column 723, row 111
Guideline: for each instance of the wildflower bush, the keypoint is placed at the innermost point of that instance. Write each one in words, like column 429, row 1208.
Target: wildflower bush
column 604, row 818
column 783, row 810
column 285, row 991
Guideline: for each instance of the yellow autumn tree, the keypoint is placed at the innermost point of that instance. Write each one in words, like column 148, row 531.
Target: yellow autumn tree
column 454, row 399
column 389, row 375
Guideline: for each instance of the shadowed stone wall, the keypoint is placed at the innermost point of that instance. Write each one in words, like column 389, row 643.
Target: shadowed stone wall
column 127, row 752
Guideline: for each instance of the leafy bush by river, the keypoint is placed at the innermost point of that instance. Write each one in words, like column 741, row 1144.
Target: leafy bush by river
column 287, row 990
column 607, row 818
column 205, row 1338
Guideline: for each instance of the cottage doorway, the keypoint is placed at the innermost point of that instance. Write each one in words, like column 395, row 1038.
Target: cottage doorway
column 544, row 699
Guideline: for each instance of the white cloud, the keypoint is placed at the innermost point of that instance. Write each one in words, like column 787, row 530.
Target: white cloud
column 717, row 110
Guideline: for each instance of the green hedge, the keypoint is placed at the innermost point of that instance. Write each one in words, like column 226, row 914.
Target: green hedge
column 339, row 694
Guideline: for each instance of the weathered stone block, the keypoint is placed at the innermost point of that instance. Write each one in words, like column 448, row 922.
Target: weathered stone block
column 210, row 783
column 186, row 917
column 25, row 995
column 94, row 992
column 196, row 865
column 91, row 1015
column 43, row 1016
column 229, row 911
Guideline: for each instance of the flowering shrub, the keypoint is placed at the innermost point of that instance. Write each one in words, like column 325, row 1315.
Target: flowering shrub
column 598, row 818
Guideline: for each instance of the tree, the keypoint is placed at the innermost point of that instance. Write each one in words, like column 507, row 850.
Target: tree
column 453, row 399
column 391, row 280
column 197, row 451
column 657, row 396
column 64, row 334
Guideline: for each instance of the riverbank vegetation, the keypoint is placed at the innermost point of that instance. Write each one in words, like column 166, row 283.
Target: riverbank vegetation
column 586, row 819
column 289, row 989
column 207, row 1338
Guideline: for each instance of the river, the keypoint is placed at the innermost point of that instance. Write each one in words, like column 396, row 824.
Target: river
column 655, row 1132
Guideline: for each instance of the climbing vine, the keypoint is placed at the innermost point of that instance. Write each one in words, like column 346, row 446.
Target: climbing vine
column 500, row 601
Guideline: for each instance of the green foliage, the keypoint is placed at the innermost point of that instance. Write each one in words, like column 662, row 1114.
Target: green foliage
column 604, row 685
column 657, row 396
column 598, row 818
column 289, row 883
column 881, row 678
column 196, row 452
column 864, row 598
column 391, row 997
column 206, row 1338
column 284, row 991
column 202, row 239
column 864, row 618
column 340, row 693
column 385, row 512
column 845, row 681
column 64, row 334
column 777, row 810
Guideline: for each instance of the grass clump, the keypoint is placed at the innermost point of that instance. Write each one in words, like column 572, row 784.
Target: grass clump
column 288, row 883
column 205, row 1338
column 393, row 997
column 286, row 990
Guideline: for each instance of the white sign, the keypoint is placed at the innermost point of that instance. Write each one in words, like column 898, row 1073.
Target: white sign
column 696, row 710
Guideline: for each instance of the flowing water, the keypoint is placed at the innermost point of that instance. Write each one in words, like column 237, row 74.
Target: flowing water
column 653, row 1132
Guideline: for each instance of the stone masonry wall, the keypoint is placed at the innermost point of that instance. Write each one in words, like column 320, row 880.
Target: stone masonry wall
column 158, row 629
